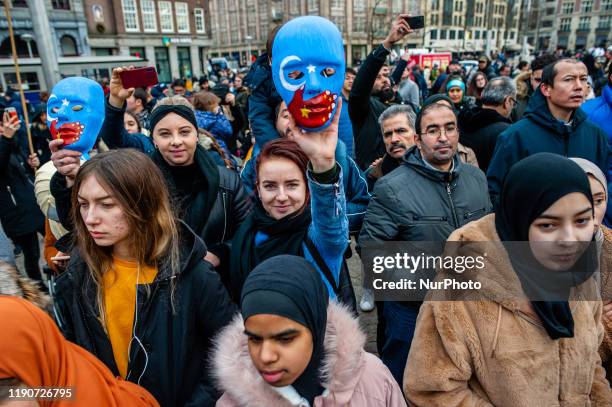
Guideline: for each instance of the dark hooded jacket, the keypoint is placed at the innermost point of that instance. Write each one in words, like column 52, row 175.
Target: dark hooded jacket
column 263, row 101
column 479, row 130
column 174, row 369
column 19, row 212
column 539, row 131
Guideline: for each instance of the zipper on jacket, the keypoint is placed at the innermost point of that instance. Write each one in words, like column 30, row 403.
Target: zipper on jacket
column 224, row 216
column 430, row 218
column 566, row 144
column 452, row 204
column 12, row 196
column 472, row 213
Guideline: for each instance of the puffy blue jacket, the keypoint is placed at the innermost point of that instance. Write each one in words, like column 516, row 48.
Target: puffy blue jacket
column 328, row 229
column 354, row 183
column 539, row 131
column 262, row 102
column 216, row 123
column 599, row 111
column 345, row 128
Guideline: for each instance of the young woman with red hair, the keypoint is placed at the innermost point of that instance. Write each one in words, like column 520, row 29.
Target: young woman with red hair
column 301, row 208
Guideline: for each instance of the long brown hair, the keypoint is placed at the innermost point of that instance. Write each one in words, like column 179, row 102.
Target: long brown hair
column 137, row 185
column 472, row 89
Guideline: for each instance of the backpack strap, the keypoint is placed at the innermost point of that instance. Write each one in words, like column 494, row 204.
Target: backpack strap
column 314, row 252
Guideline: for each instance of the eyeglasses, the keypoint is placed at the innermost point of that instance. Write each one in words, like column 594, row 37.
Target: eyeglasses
column 436, row 132
column 513, row 100
column 537, row 80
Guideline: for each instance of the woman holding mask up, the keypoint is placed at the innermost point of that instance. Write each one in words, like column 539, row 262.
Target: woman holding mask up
column 301, row 208
column 510, row 343
column 208, row 197
column 291, row 346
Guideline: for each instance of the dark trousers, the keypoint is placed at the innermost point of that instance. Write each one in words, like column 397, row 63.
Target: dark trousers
column 399, row 326
column 31, row 253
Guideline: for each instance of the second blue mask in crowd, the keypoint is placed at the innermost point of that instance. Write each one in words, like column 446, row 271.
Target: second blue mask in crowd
column 75, row 113
column 308, row 69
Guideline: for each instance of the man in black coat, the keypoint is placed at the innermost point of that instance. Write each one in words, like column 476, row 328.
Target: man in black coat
column 19, row 213
column 371, row 90
column 480, row 126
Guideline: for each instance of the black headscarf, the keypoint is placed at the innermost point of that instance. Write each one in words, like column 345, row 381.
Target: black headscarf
column 285, row 236
column 290, row 287
column 163, row 110
column 531, row 186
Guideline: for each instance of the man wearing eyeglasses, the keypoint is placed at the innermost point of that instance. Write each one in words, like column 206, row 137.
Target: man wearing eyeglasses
column 480, row 125
column 425, row 199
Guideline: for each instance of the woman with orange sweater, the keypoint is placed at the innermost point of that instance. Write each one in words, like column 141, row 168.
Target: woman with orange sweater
column 137, row 292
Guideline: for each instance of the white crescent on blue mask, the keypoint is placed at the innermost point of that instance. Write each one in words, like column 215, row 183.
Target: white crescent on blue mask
column 287, row 85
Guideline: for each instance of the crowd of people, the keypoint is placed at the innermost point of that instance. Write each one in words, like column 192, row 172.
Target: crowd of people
column 197, row 255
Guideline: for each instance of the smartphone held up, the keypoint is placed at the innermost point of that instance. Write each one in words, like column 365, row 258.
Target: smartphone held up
column 139, row 77
column 415, row 22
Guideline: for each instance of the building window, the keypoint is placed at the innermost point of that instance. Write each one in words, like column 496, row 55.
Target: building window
column 434, row 34
column 294, row 7
column 149, row 19
column 69, row 47
column 442, row 34
column 434, row 19
column 565, row 24
column 451, row 34
column 606, row 5
column 130, row 15
column 477, row 34
column 460, row 34
column 60, row 4
column 604, row 22
column 587, row 6
column 359, row 5
column 20, row 3
column 313, row 7
column 585, row 23
column 199, row 20
column 182, row 16
column 567, row 8
column 165, row 16
column 162, row 64
column 511, row 35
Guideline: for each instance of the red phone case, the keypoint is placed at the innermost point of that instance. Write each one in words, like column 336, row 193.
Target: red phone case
column 139, row 77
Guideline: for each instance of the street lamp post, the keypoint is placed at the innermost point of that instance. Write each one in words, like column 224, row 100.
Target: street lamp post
column 249, row 38
column 28, row 39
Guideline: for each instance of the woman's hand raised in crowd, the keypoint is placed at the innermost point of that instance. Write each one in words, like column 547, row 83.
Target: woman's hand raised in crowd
column 67, row 162
column 319, row 146
column 118, row 94
column 10, row 125
column 33, row 161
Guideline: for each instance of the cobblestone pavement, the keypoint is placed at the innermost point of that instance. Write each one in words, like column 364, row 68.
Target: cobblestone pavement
column 367, row 320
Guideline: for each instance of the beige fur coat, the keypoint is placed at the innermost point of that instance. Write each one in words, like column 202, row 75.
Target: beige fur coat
column 495, row 352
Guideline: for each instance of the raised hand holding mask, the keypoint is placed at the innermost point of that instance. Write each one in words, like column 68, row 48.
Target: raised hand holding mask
column 75, row 113
column 308, row 69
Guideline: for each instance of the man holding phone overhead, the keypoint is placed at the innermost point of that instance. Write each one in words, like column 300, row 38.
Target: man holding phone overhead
column 371, row 90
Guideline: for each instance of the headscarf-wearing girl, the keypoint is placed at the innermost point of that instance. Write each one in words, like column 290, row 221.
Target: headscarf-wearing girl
column 603, row 238
column 455, row 89
column 530, row 335
column 291, row 346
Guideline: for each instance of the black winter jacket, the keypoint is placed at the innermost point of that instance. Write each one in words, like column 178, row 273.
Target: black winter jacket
column 416, row 203
column 174, row 368
column 479, row 130
column 19, row 212
column 365, row 109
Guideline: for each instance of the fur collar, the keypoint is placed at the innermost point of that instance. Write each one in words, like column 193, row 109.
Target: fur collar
column 13, row 283
column 499, row 280
column 340, row 372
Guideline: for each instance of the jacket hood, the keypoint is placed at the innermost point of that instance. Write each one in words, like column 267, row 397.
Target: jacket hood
column 413, row 159
column 537, row 111
column 259, row 72
column 500, row 282
column 523, row 85
column 475, row 118
column 340, row 371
